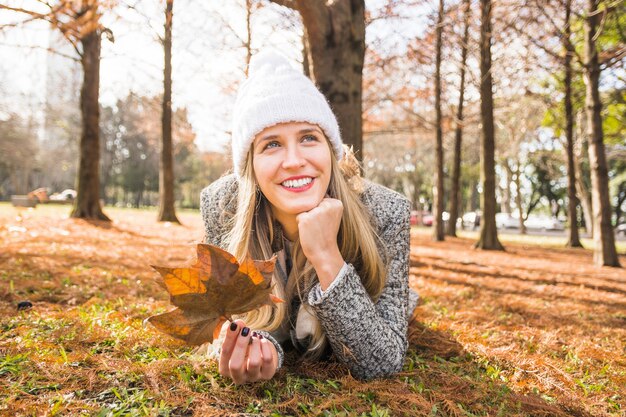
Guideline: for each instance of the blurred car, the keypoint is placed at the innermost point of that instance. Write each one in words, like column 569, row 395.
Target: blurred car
column 506, row 221
column 427, row 219
column 64, row 196
column 544, row 223
column 621, row 229
column 470, row 220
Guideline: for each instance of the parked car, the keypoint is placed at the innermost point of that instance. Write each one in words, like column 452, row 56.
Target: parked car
column 506, row 221
column 543, row 223
column 470, row 220
column 427, row 219
column 67, row 195
column 621, row 229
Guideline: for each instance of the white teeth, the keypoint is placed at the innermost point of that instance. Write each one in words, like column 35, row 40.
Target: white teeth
column 297, row 183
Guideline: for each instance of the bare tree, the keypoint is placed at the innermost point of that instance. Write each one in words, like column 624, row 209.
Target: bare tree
column 604, row 253
column 335, row 42
column 488, row 231
column 573, row 239
column 167, row 211
column 79, row 22
column 438, row 190
column 458, row 133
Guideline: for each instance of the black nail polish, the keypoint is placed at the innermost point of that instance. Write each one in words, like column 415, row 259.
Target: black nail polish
column 245, row 331
column 255, row 334
column 233, row 326
column 260, row 336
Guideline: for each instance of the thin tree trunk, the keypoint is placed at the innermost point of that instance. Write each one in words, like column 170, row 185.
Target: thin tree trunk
column 488, row 232
column 305, row 57
column 87, row 204
column 455, row 193
column 581, row 187
column 604, row 239
column 518, row 197
column 167, row 212
column 505, row 203
column 573, row 239
column 335, row 41
column 438, row 189
column 248, row 34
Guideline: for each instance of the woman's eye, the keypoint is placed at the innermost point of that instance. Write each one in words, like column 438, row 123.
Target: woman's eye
column 309, row 138
column 271, row 144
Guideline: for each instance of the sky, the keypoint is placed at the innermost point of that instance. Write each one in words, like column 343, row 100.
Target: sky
column 208, row 58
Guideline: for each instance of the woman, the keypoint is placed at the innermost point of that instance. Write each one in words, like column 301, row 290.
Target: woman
column 342, row 243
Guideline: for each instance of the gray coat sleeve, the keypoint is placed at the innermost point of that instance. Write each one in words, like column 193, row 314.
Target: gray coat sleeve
column 217, row 206
column 371, row 338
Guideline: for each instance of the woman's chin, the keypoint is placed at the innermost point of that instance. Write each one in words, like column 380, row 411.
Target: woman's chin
column 301, row 208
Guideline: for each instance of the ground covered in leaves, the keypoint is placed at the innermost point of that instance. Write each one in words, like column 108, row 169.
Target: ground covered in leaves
column 533, row 331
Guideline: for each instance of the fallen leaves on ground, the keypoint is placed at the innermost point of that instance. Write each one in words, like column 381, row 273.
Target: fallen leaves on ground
column 528, row 332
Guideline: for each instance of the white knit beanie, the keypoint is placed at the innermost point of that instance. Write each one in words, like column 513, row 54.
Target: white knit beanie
column 275, row 93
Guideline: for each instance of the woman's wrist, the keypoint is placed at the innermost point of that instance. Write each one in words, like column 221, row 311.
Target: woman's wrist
column 327, row 266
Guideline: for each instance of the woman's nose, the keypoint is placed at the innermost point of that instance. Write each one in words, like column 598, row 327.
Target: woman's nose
column 293, row 158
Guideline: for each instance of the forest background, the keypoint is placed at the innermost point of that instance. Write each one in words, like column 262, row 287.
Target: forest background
column 419, row 87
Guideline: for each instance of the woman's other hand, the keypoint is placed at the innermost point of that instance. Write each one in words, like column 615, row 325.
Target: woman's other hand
column 245, row 356
column 317, row 230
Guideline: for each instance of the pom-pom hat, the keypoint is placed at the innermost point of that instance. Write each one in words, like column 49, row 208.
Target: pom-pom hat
column 276, row 93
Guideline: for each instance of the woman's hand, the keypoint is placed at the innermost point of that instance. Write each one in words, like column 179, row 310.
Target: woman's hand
column 318, row 229
column 247, row 358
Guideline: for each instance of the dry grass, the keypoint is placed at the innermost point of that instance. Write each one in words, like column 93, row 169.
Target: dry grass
column 530, row 332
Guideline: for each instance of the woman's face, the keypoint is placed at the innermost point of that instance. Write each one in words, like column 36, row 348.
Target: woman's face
column 292, row 165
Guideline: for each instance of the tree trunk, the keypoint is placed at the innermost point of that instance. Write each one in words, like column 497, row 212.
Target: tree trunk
column 167, row 212
column 335, row 41
column 455, row 193
column 248, row 35
column 438, row 188
column 518, row 197
column 604, row 239
column 87, row 204
column 573, row 239
column 581, row 187
column 488, row 232
column 505, row 203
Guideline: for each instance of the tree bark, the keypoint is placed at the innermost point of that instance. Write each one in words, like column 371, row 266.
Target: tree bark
column 604, row 239
column 167, row 212
column 87, row 204
column 438, row 188
column 455, row 193
column 488, row 232
column 335, row 42
column 573, row 239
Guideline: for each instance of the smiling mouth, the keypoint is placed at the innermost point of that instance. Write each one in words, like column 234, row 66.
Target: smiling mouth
column 299, row 183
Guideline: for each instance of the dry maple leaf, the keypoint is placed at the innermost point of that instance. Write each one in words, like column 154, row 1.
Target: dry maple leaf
column 210, row 291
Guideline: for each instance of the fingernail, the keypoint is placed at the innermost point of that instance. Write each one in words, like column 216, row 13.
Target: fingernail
column 260, row 336
column 245, row 331
column 233, row 326
column 255, row 334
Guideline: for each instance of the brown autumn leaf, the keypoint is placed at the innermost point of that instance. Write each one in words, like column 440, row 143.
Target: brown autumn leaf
column 210, row 291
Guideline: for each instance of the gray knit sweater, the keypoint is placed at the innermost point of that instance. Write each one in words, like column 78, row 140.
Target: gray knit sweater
column 370, row 338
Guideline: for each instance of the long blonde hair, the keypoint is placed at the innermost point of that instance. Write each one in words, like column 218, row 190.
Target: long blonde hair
column 252, row 233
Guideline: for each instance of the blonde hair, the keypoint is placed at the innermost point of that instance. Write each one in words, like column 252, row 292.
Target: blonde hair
column 253, row 231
